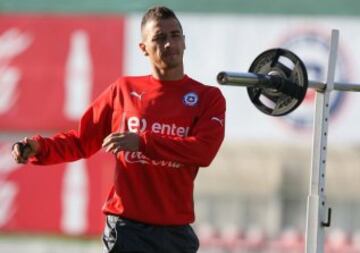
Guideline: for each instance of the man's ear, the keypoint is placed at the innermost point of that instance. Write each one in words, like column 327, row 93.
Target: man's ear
column 143, row 48
column 184, row 42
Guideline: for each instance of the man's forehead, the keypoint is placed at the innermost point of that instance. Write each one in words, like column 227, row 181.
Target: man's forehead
column 162, row 25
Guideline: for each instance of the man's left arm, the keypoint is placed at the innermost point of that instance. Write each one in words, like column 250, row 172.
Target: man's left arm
column 198, row 149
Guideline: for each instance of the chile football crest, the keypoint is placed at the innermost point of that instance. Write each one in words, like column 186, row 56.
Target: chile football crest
column 190, row 99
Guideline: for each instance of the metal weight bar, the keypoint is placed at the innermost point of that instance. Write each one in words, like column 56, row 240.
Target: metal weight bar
column 260, row 81
column 245, row 79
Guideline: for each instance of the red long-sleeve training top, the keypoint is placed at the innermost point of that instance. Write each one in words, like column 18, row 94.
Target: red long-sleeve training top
column 181, row 127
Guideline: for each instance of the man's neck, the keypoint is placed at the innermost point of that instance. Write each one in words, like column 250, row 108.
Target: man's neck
column 169, row 74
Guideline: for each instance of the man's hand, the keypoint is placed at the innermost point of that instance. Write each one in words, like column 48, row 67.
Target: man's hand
column 23, row 150
column 116, row 142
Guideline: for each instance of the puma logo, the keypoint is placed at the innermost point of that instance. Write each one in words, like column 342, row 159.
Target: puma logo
column 221, row 121
column 137, row 95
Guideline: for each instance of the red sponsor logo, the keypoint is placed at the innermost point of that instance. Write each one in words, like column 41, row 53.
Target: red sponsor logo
column 138, row 157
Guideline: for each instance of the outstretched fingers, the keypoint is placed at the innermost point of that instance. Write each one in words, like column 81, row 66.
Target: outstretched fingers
column 116, row 142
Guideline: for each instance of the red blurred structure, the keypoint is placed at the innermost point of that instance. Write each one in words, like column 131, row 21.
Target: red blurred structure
column 51, row 68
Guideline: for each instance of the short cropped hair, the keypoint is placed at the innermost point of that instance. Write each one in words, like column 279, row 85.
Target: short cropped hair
column 158, row 13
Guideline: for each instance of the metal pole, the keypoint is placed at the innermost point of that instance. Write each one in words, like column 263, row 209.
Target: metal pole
column 315, row 216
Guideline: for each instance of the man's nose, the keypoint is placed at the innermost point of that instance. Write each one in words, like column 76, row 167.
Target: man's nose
column 167, row 43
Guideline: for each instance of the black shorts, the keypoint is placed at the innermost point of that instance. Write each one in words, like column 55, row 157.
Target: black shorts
column 123, row 235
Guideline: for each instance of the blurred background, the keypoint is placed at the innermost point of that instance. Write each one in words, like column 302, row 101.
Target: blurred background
column 57, row 56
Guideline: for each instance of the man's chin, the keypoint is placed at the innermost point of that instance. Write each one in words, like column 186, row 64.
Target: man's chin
column 172, row 64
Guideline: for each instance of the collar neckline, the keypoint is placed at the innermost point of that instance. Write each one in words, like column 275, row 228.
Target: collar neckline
column 169, row 82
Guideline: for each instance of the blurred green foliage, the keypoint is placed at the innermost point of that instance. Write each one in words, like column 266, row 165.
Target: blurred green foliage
column 306, row 7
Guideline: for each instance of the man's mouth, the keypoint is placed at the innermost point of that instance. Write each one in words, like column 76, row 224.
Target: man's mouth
column 167, row 54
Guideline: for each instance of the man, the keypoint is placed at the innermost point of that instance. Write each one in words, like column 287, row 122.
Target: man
column 161, row 128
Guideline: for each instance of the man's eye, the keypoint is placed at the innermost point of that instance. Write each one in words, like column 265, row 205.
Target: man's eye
column 159, row 38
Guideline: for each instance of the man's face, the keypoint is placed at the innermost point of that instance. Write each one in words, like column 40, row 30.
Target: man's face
column 164, row 43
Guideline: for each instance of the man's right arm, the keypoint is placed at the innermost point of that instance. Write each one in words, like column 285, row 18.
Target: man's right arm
column 69, row 146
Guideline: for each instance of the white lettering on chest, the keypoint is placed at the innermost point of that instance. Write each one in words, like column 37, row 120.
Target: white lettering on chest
column 136, row 125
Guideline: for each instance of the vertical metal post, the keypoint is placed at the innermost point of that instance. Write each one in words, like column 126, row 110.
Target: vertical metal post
column 315, row 216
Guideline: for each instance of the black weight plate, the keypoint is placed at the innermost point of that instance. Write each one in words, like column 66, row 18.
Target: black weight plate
column 288, row 66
